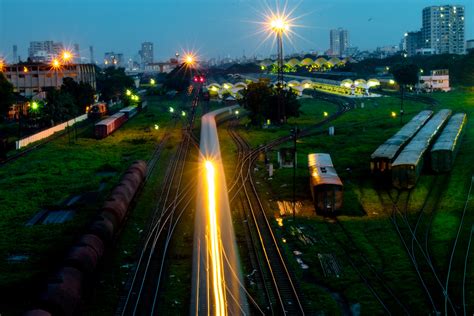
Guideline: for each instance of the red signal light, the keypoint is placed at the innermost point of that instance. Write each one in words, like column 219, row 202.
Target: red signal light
column 201, row 79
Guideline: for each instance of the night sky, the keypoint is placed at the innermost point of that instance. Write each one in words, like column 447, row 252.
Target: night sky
column 213, row 27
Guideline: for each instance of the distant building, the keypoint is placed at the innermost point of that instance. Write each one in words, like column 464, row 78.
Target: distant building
column 470, row 45
column 146, row 53
column 411, row 42
column 438, row 80
column 386, row 51
column 77, row 52
column 113, row 59
column 338, row 41
column 443, row 29
column 351, row 51
column 32, row 79
column 165, row 67
column 91, row 55
column 44, row 51
column 15, row 54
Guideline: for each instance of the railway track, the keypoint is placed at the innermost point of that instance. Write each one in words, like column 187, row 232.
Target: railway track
column 375, row 282
column 453, row 251
column 421, row 262
column 281, row 292
column 142, row 291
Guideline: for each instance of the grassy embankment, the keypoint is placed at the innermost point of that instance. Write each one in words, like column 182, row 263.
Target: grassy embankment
column 358, row 133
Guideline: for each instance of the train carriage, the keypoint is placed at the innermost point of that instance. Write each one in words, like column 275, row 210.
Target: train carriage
column 106, row 127
column 129, row 111
column 407, row 167
column 383, row 157
column 446, row 147
column 326, row 187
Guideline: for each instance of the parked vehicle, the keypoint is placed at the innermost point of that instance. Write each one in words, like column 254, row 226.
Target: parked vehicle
column 407, row 167
column 445, row 149
column 326, row 187
column 383, row 157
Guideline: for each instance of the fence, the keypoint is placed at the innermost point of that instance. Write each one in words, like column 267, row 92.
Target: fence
column 48, row 132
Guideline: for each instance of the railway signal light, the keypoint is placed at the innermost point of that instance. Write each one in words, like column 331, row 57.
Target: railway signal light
column 199, row 78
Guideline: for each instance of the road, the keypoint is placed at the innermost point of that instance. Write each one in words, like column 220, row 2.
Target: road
column 217, row 279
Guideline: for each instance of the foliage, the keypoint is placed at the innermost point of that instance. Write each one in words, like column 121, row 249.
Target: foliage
column 6, row 95
column 112, row 82
column 59, row 107
column 405, row 74
column 461, row 67
column 286, row 69
column 82, row 93
column 261, row 100
column 178, row 79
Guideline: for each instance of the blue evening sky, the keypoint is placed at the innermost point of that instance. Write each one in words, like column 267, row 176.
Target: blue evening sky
column 213, row 27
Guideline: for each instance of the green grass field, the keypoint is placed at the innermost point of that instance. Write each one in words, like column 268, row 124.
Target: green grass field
column 357, row 135
column 46, row 177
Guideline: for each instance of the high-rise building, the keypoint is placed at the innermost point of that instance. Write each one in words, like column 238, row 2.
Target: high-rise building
column 412, row 41
column 443, row 29
column 77, row 52
column 15, row 54
column 470, row 45
column 91, row 54
column 339, row 41
column 146, row 53
column 42, row 51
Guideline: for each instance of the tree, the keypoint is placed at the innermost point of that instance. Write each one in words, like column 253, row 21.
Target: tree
column 112, row 83
column 405, row 74
column 6, row 95
column 59, row 107
column 261, row 100
column 82, row 93
column 178, row 79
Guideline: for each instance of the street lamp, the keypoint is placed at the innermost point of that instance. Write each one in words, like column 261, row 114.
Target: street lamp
column 56, row 65
column 279, row 25
column 66, row 56
column 2, row 65
column 294, row 133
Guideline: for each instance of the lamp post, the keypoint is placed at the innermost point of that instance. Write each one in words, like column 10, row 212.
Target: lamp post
column 279, row 25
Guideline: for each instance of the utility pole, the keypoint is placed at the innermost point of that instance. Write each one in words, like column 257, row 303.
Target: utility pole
column 294, row 133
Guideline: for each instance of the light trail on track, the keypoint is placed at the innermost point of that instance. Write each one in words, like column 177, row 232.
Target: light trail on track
column 216, row 287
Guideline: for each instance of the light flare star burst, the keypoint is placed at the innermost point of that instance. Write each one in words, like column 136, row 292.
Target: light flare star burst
column 278, row 22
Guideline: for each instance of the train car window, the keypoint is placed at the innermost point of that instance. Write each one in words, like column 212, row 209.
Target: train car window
column 323, row 169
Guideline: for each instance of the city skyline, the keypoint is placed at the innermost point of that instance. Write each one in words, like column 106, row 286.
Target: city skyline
column 234, row 23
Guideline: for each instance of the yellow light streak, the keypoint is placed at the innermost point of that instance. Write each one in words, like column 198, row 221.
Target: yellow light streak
column 216, row 260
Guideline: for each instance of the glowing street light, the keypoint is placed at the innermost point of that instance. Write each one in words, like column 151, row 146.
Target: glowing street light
column 2, row 65
column 55, row 64
column 326, row 114
column 157, row 127
column 66, row 56
column 183, row 114
column 128, row 92
column 152, row 81
column 189, row 59
column 279, row 24
column 391, row 81
column 394, row 114
column 171, row 109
